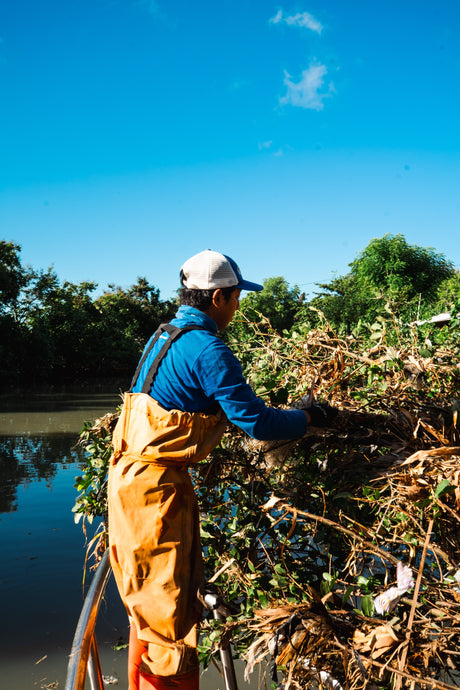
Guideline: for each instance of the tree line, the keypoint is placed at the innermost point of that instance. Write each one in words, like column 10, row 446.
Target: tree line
column 55, row 330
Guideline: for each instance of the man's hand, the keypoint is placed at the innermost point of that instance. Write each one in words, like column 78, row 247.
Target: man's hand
column 321, row 414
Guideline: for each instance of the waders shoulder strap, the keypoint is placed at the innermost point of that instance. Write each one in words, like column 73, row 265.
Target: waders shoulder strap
column 174, row 333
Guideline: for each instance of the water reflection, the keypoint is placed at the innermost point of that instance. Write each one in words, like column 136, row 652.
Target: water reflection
column 24, row 459
column 42, row 551
column 39, row 432
column 53, row 412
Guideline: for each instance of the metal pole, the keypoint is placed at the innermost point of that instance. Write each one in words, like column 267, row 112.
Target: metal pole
column 226, row 658
column 213, row 603
column 78, row 660
column 94, row 667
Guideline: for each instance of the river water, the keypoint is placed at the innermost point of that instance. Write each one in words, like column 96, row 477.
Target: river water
column 42, row 551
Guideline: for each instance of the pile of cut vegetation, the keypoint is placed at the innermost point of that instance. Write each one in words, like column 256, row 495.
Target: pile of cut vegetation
column 338, row 555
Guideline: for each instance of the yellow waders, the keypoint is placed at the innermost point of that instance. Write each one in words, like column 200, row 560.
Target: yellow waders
column 154, row 539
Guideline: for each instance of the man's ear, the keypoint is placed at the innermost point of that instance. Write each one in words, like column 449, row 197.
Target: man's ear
column 217, row 296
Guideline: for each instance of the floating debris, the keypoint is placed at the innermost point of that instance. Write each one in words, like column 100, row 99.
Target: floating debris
column 386, row 602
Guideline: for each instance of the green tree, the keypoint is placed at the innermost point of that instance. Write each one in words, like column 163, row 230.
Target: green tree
column 387, row 273
column 54, row 329
column 448, row 293
column 13, row 277
column 277, row 302
column 64, row 324
column 399, row 270
column 342, row 303
column 13, row 336
column 128, row 319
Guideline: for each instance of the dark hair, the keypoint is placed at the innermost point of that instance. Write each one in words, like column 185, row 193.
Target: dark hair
column 201, row 299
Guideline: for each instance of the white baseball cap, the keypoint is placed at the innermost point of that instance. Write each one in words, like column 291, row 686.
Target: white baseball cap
column 210, row 270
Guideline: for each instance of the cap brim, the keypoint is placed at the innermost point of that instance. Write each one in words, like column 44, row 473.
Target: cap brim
column 251, row 287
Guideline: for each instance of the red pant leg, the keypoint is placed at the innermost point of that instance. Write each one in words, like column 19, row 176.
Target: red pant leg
column 186, row 681
column 135, row 652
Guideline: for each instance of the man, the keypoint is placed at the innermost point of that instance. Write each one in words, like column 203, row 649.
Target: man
column 187, row 386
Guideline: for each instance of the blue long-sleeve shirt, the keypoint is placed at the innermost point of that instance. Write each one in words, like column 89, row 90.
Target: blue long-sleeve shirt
column 199, row 370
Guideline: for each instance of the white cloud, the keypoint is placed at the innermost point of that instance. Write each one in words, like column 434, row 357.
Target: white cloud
column 277, row 18
column 264, row 145
column 304, row 20
column 309, row 91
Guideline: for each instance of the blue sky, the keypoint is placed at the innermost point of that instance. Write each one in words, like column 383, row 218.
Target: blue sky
column 135, row 133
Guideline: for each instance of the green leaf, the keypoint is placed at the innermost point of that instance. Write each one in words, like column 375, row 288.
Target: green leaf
column 443, row 487
column 325, row 587
column 347, row 594
column 262, row 598
column 367, row 606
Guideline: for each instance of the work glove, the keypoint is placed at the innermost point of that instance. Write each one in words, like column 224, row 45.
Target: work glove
column 321, row 414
